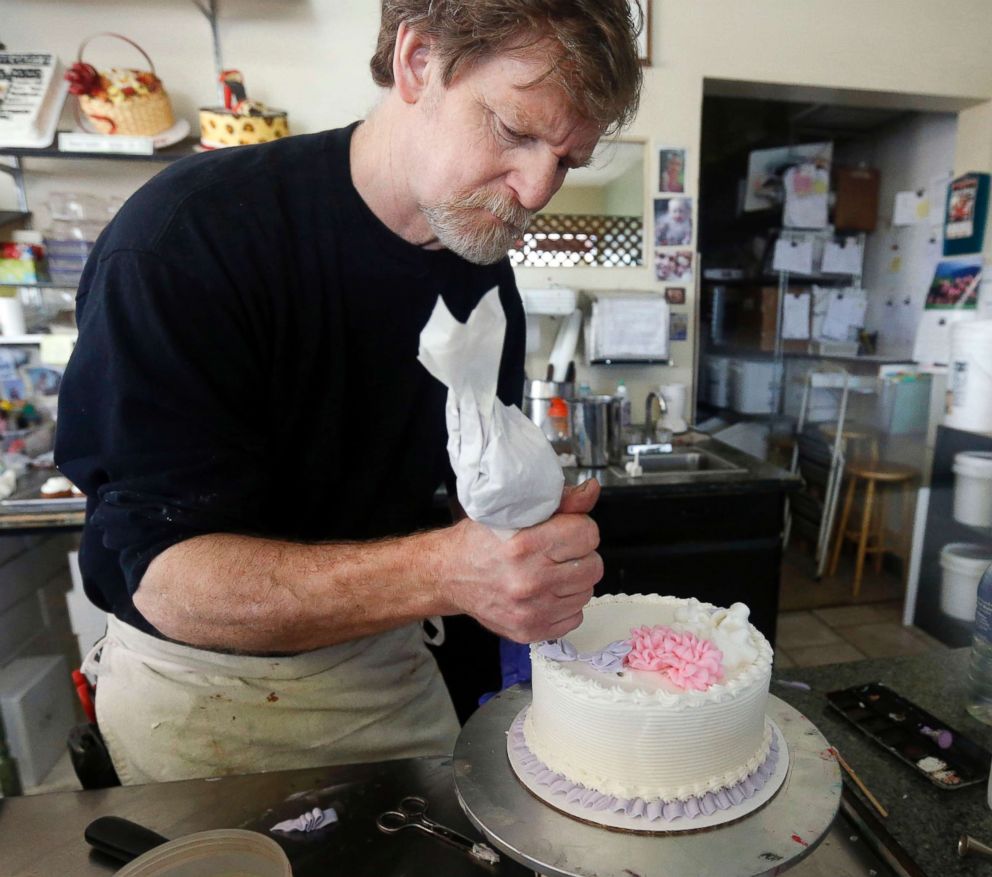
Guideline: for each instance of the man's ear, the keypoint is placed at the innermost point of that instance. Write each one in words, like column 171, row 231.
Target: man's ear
column 412, row 64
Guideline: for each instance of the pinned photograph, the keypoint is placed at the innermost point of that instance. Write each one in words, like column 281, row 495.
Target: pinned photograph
column 12, row 389
column 673, row 266
column 678, row 327
column 675, row 295
column 671, row 170
column 955, row 284
column 44, row 380
column 672, row 221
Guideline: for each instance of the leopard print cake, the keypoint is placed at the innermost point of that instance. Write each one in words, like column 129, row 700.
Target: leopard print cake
column 220, row 127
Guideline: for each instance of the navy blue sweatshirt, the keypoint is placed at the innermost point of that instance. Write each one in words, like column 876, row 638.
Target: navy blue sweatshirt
column 246, row 363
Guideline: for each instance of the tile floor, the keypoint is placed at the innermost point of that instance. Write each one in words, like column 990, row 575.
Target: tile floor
column 821, row 622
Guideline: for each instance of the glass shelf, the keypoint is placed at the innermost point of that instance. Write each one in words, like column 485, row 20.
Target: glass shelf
column 38, row 284
column 168, row 153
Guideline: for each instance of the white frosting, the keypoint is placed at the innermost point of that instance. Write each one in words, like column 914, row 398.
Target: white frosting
column 636, row 734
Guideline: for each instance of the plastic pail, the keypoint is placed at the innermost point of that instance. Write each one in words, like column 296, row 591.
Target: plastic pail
column 969, row 402
column 962, row 564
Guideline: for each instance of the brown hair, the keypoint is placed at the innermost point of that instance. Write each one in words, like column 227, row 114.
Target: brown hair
column 595, row 64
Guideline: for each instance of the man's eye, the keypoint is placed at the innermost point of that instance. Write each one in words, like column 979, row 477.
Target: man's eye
column 509, row 134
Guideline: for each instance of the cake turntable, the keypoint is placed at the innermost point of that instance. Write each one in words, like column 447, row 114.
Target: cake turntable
column 768, row 840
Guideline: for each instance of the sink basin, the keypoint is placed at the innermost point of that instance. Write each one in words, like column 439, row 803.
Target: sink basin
column 681, row 463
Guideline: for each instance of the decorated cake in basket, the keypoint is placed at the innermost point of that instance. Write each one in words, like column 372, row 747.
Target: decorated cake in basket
column 121, row 100
column 240, row 122
column 653, row 708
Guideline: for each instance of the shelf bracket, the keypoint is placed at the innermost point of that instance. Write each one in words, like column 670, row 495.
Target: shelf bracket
column 16, row 171
column 209, row 10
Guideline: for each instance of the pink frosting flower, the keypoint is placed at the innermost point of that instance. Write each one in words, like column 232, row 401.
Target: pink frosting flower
column 689, row 662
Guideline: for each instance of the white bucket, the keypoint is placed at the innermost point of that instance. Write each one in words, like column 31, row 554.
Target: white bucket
column 969, row 392
column 754, row 386
column 963, row 565
column 973, row 488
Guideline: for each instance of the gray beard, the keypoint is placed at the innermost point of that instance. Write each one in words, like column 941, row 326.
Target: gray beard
column 458, row 228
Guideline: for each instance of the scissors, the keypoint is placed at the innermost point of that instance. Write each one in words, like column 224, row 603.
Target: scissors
column 412, row 813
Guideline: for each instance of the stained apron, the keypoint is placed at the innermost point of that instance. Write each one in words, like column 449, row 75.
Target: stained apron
column 169, row 711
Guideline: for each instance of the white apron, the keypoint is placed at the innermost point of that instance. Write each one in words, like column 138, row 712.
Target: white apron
column 169, row 711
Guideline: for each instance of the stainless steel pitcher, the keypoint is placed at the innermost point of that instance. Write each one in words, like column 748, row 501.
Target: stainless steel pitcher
column 596, row 430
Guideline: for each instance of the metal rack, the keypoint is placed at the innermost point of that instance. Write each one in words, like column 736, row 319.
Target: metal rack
column 812, row 456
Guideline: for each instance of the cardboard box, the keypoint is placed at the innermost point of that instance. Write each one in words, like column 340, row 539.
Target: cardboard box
column 37, row 706
column 749, row 316
column 856, row 191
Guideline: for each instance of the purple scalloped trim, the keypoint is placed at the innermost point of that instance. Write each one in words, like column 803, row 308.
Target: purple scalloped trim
column 656, row 808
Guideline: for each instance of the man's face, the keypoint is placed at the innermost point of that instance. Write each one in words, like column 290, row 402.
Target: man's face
column 492, row 153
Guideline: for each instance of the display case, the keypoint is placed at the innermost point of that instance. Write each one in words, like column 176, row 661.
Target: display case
column 944, row 605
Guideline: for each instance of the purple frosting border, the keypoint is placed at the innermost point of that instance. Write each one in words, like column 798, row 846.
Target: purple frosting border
column 636, row 808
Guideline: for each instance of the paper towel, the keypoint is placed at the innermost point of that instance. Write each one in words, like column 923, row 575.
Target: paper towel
column 507, row 472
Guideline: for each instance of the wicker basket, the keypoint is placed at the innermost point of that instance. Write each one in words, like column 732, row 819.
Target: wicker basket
column 144, row 113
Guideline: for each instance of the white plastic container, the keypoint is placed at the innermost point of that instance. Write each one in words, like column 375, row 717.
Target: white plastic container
column 36, row 708
column 973, row 488
column 969, row 403
column 754, row 386
column 962, row 564
column 212, row 854
column 718, row 381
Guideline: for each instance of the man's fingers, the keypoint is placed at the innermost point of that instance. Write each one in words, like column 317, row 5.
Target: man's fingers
column 566, row 625
column 578, row 576
column 581, row 499
column 568, row 537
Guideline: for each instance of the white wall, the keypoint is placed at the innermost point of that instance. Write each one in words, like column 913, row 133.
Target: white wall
column 909, row 155
column 311, row 58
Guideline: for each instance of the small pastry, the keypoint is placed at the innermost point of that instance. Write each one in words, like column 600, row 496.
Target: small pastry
column 56, row 487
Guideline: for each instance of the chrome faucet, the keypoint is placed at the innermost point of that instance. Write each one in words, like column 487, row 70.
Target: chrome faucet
column 650, row 421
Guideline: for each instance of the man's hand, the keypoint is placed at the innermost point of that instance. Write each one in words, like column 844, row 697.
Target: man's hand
column 533, row 586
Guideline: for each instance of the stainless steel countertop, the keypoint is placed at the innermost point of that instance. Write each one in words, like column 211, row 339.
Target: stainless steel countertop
column 43, row 834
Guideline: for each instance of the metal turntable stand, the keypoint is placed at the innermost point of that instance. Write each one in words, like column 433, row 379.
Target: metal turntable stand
column 766, row 842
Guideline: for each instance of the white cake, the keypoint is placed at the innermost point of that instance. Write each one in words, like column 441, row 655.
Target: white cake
column 661, row 742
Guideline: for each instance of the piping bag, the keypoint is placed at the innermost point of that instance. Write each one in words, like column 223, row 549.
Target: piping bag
column 508, row 475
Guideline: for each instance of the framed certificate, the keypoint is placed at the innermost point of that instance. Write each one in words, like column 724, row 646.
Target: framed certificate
column 641, row 10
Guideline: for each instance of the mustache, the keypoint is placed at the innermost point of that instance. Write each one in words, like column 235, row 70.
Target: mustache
column 503, row 207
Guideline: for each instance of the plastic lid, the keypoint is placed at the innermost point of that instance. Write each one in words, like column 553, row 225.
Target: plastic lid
column 972, row 557
column 213, row 853
column 973, row 463
column 558, row 408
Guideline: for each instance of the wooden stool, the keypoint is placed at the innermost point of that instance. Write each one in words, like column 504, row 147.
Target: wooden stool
column 857, row 438
column 875, row 477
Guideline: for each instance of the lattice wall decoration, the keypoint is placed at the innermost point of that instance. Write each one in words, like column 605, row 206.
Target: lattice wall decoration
column 558, row 240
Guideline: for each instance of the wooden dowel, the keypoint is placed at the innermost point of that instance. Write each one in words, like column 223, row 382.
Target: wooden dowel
column 850, row 772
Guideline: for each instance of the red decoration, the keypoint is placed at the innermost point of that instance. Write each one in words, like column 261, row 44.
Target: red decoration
column 82, row 78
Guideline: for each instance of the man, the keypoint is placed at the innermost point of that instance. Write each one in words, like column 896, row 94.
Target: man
column 257, row 442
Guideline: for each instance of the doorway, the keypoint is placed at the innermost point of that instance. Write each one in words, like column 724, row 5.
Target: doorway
column 754, row 366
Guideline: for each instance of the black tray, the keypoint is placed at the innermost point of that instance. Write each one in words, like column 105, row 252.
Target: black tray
column 913, row 735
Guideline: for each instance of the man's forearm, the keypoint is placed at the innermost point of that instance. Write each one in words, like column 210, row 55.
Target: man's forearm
column 225, row 591
column 261, row 595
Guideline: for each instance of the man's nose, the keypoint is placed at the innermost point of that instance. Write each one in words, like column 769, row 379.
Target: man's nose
column 536, row 178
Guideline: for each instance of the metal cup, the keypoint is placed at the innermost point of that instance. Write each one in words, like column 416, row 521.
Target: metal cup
column 595, row 429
